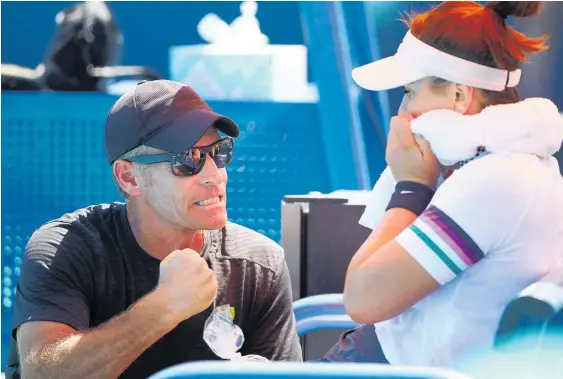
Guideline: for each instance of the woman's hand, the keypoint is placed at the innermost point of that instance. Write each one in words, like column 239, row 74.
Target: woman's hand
column 410, row 157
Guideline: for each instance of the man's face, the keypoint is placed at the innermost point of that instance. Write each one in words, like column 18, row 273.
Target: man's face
column 193, row 202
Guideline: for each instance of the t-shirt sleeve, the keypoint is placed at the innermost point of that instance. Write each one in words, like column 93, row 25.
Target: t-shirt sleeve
column 472, row 214
column 274, row 336
column 55, row 279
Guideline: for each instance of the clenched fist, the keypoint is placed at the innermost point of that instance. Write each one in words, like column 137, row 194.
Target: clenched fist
column 186, row 283
column 409, row 157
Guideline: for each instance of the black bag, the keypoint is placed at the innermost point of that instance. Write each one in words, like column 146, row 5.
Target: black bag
column 87, row 37
column 81, row 56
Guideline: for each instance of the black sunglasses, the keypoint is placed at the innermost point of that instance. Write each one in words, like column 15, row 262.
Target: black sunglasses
column 191, row 161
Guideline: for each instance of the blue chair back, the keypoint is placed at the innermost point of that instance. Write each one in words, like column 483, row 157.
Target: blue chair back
column 291, row 370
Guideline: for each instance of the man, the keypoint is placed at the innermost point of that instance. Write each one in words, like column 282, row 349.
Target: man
column 125, row 289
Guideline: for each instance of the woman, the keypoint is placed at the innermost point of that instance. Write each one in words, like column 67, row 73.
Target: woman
column 441, row 264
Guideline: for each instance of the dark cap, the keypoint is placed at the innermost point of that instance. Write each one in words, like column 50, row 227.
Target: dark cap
column 162, row 114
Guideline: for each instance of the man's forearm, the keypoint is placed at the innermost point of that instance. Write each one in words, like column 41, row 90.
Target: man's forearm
column 106, row 351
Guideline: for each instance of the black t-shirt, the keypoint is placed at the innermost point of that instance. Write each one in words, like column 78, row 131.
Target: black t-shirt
column 86, row 267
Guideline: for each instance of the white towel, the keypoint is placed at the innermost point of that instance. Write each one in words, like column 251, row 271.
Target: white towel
column 532, row 126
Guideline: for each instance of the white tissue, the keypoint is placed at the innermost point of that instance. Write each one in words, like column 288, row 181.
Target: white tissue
column 242, row 34
column 222, row 336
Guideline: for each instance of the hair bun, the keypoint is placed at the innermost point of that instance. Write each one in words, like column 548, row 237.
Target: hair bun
column 515, row 8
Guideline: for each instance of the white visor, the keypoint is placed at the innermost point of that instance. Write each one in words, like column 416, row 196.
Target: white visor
column 416, row 60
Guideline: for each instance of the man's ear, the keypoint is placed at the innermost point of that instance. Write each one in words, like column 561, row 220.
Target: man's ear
column 464, row 98
column 126, row 178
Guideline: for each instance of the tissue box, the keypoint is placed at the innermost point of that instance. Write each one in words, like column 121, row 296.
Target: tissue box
column 270, row 72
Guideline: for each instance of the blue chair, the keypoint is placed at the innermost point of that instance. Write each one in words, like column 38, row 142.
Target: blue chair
column 292, row 370
column 358, row 344
column 321, row 312
column 538, row 309
column 532, row 322
column 529, row 339
column 536, row 312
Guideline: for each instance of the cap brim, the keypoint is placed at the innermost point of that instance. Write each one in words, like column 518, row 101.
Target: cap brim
column 185, row 131
column 385, row 74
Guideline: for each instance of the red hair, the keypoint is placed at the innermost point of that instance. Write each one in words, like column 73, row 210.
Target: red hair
column 479, row 34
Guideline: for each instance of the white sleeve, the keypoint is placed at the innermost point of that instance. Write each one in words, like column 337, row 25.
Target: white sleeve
column 471, row 214
column 379, row 198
